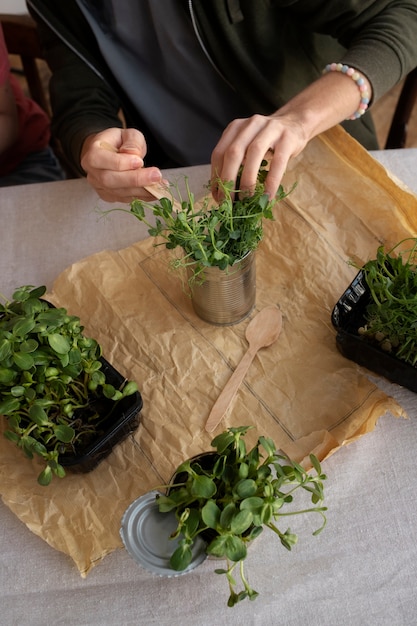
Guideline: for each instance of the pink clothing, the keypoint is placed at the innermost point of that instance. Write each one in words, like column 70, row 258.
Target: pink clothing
column 34, row 123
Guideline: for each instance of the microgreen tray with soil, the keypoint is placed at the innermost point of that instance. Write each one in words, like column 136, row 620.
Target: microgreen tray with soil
column 376, row 317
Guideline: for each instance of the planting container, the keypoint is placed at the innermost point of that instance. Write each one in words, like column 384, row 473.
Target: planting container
column 122, row 419
column 146, row 532
column 347, row 317
column 227, row 296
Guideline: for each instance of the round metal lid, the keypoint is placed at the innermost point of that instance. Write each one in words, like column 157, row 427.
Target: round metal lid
column 145, row 533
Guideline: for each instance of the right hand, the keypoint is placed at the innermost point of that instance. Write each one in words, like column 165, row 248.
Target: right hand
column 113, row 162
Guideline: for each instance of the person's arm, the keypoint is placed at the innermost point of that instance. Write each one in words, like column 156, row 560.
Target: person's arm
column 326, row 102
column 85, row 102
column 379, row 40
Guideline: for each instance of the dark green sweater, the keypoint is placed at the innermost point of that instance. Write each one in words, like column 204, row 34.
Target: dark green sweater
column 269, row 50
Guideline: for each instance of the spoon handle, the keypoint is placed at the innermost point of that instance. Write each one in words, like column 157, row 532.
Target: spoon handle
column 229, row 391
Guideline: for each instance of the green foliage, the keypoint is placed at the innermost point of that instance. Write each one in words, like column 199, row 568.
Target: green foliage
column 211, row 235
column 391, row 316
column 49, row 375
column 233, row 496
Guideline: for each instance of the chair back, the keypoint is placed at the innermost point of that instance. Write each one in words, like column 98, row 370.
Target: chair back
column 397, row 136
column 21, row 37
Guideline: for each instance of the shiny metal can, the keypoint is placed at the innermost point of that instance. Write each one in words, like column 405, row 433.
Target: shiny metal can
column 227, row 296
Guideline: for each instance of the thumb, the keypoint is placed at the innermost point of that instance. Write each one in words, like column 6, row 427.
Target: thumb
column 133, row 142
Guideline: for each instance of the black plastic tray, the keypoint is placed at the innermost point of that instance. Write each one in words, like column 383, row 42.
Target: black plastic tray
column 347, row 317
column 123, row 420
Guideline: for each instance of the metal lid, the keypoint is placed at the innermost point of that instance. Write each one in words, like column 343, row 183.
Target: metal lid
column 146, row 535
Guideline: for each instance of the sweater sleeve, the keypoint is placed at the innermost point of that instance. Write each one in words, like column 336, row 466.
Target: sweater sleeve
column 380, row 36
column 83, row 100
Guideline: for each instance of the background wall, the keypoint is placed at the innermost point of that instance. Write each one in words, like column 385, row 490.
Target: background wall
column 13, row 6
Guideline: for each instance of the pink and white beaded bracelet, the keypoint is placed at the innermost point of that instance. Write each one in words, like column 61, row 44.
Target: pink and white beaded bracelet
column 360, row 82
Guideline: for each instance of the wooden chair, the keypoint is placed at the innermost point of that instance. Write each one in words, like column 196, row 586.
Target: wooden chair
column 22, row 40
column 397, row 135
column 21, row 37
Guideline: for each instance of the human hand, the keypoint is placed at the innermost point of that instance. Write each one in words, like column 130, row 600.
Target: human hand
column 247, row 141
column 113, row 162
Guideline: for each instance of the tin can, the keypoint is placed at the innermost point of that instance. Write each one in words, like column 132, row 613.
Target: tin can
column 227, row 296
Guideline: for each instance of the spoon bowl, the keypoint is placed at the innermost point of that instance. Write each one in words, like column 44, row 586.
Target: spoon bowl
column 262, row 331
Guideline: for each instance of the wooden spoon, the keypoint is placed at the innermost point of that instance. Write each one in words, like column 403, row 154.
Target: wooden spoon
column 261, row 332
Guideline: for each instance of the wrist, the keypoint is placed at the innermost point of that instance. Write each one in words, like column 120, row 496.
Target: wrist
column 361, row 82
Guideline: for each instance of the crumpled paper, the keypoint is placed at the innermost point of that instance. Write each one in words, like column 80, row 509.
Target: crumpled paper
column 300, row 391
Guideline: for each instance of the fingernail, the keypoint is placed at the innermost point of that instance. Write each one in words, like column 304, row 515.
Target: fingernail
column 136, row 162
column 156, row 176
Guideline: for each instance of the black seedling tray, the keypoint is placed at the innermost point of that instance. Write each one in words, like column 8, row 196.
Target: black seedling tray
column 347, row 316
column 122, row 420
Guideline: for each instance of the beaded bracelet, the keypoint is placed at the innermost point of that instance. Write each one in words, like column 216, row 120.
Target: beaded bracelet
column 360, row 82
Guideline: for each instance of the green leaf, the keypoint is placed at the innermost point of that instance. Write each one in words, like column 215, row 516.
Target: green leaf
column 181, row 558
column 222, row 441
column 64, row 433
column 191, row 523
column 38, row 415
column 203, row 487
column 37, row 292
column 45, row 476
column 74, row 356
column 243, row 470
column 17, row 391
column 241, row 522
column 253, row 504
column 235, row 548
column 267, row 512
column 11, row 436
column 210, row 514
column 23, row 360
column 315, row 463
column 227, row 515
column 217, row 547
column 5, row 349
column 130, row 388
column 136, row 207
column 29, row 346
column 268, row 445
column 7, row 375
column 9, row 406
column 39, row 448
column 246, row 488
column 288, row 539
column 228, row 546
column 166, row 504
column 23, row 326
column 28, row 443
column 59, row 471
column 59, row 343
column 109, row 391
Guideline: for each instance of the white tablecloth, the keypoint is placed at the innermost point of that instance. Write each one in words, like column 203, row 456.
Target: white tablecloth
column 362, row 570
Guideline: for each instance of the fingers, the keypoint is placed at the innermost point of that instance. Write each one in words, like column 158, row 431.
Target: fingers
column 114, row 166
column 246, row 142
column 124, row 186
column 132, row 142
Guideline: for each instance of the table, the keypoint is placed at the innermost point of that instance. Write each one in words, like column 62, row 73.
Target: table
column 361, row 570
